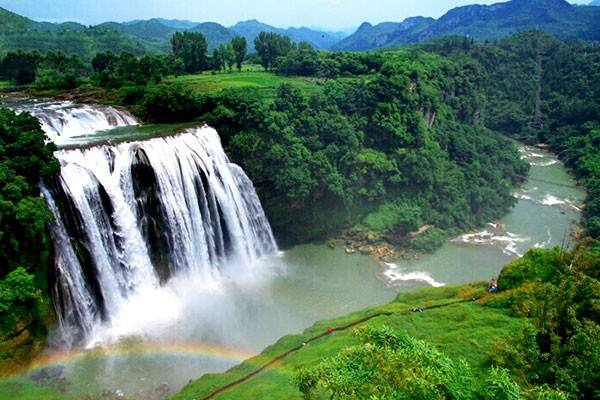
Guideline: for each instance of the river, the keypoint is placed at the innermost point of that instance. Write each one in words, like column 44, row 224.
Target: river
column 158, row 341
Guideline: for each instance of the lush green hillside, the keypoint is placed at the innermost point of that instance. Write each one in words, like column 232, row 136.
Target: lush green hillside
column 541, row 90
column 20, row 33
column 482, row 22
column 10, row 22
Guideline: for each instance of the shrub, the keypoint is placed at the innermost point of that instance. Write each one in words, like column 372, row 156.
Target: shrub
column 170, row 103
column 537, row 265
column 18, row 298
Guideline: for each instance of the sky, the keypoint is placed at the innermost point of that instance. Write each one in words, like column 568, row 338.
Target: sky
column 330, row 14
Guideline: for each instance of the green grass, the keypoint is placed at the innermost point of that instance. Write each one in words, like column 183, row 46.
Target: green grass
column 464, row 330
column 252, row 76
column 23, row 389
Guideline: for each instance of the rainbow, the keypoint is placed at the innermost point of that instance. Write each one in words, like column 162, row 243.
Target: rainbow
column 188, row 349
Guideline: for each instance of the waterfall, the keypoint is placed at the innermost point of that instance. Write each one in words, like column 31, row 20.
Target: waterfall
column 131, row 216
column 62, row 120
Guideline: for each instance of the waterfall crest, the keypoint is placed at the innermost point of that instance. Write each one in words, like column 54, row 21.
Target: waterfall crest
column 62, row 120
column 129, row 217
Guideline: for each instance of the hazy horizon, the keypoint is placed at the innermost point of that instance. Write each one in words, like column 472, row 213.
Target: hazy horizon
column 331, row 15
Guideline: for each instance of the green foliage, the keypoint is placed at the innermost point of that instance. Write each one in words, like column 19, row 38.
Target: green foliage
column 500, row 386
column 390, row 215
column 19, row 67
column 116, row 70
column 429, row 241
column 390, row 365
column 224, row 57
column 538, row 265
column 240, row 48
column 561, row 345
column 25, row 159
column 270, row 46
column 19, row 298
column 191, row 48
column 170, row 103
column 364, row 143
column 568, row 118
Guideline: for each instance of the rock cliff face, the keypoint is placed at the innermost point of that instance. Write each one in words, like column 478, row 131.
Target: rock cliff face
column 481, row 22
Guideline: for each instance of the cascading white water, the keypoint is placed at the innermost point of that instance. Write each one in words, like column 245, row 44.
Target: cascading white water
column 62, row 120
column 131, row 216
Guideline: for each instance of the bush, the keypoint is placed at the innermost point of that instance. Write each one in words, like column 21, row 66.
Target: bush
column 170, row 103
column 429, row 241
column 390, row 365
column 400, row 214
column 19, row 299
column 538, row 265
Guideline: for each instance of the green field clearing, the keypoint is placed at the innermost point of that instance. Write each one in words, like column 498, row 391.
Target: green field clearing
column 462, row 330
column 252, row 76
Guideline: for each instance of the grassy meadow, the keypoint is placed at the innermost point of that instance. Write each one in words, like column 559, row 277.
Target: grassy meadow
column 251, row 76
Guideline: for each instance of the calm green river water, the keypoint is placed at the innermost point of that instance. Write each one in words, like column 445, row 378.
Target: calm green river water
column 192, row 328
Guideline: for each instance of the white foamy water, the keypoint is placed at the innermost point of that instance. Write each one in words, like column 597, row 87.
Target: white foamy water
column 548, row 200
column 394, row 274
column 495, row 236
column 61, row 120
column 146, row 212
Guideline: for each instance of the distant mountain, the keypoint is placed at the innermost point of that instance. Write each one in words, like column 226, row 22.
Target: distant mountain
column 214, row 33
column 177, row 23
column 137, row 36
column 17, row 32
column 10, row 22
column 381, row 35
column 151, row 29
column 595, row 3
column 481, row 22
column 318, row 39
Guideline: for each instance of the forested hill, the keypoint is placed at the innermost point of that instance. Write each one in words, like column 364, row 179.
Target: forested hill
column 136, row 37
column 556, row 17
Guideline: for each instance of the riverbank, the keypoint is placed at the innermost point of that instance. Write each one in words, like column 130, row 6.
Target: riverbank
column 457, row 319
column 504, row 331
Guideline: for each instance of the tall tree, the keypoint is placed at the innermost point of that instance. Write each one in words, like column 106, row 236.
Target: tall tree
column 269, row 46
column 240, row 48
column 191, row 48
column 20, row 67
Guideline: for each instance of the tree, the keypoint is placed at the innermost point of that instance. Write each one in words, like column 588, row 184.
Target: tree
column 191, row 48
column 223, row 57
column 20, row 67
column 25, row 159
column 240, row 48
column 301, row 61
column 170, row 103
column 269, row 46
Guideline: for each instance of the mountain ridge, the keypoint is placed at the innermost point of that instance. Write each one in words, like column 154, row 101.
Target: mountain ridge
column 484, row 22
